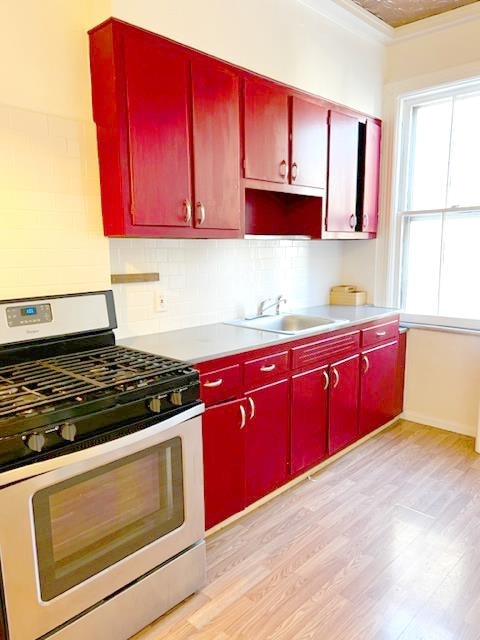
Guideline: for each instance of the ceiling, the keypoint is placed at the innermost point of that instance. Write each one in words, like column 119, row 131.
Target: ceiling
column 399, row 12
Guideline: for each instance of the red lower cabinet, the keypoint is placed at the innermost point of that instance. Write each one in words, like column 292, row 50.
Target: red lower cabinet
column 224, row 459
column 266, row 439
column 308, row 419
column 377, row 387
column 343, row 403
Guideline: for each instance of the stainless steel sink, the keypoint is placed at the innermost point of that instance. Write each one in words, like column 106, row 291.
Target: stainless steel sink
column 287, row 323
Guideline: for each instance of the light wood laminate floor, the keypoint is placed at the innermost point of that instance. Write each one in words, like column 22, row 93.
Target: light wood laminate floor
column 384, row 543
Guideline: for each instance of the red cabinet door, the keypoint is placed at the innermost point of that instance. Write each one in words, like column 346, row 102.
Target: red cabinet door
column 216, row 146
column 308, row 419
column 266, row 132
column 309, row 144
column 377, row 386
column 371, row 177
column 342, row 172
column 223, row 461
column 343, row 403
column 157, row 104
column 266, row 440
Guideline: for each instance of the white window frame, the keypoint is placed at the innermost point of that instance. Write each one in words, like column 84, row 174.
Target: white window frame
column 407, row 102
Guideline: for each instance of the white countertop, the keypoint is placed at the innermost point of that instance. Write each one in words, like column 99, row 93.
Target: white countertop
column 210, row 341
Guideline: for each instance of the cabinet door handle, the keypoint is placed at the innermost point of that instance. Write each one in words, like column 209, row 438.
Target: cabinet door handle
column 252, row 408
column 365, row 220
column 283, row 169
column 243, row 417
column 352, row 221
column 366, row 362
column 294, row 171
column 268, row 367
column 202, row 216
column 380, row 333
column 188, row 211
column 214, row 383
column 336, row 376
column 327, row 380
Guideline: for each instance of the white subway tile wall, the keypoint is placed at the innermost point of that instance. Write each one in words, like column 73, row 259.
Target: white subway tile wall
column 204, row 281
column 51, row 238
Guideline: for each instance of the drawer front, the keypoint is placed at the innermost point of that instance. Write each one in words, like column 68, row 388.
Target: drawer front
column 261, row 369
column 322, row 351
column 379, row 333
column 220, row 384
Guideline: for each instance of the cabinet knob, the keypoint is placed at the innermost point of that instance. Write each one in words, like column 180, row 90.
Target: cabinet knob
column 283, row 169
column 294, row 171
column 336, row 375
column 243, row 415
column 366, row 362
column 201, row 213
column 252, row 408
column 188, row 211
column 353, row 221
column 327, row 380
column 365, row 221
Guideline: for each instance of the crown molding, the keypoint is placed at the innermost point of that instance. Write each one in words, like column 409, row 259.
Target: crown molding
column 348, row 15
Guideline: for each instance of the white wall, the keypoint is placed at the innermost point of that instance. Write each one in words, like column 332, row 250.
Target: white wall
column 51, row 239
column 283, row 39
column 443, row 369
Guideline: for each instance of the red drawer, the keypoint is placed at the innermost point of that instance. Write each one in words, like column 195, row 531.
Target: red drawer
column 379, row 333
column 220, row 384
column 265, row 368
column 321, row 351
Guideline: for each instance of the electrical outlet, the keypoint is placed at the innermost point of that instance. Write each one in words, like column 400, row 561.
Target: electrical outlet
column 160, row 302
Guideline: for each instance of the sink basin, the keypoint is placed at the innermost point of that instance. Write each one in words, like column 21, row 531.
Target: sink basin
column 287, row 323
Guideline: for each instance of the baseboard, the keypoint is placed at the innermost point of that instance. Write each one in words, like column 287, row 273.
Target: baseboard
column 462, row 429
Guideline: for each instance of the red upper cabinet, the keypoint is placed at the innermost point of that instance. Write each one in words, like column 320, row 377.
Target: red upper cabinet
column 342, row 172
column 266, row 132
column 158, row 132
column 309, row 144
column 371, row 177
column 216, row 146
column 285, row 137
column 168, row 136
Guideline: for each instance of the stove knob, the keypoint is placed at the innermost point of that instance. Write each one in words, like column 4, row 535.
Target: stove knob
column 35, row 442
column 155, row 405
column 176, row 398
column 68, row 431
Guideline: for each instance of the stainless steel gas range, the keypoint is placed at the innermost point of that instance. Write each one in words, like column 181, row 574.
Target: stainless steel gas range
column 101, row 482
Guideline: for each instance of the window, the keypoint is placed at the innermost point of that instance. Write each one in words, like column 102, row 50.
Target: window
column 438, row 207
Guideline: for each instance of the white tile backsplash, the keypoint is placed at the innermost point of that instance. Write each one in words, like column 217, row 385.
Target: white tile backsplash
column 206, row 281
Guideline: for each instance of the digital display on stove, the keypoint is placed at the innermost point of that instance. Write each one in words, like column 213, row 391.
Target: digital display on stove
column 32, row 314
column 28, row 311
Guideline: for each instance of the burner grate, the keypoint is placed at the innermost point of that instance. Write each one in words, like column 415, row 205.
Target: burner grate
column 40, row 385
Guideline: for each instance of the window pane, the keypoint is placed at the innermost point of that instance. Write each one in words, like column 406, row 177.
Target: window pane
column 421, row 264
column 464, row 189
column 460, row 288
column 429, row 159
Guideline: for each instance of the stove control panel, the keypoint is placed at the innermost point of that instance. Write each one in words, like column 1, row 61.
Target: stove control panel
column 31, row 314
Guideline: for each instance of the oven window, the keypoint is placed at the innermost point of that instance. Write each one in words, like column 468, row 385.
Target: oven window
column 87, row 523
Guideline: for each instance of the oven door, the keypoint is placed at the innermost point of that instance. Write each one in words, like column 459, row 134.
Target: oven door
column 104, row 517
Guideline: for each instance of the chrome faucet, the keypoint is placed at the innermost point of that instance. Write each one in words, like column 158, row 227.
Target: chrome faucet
column 263, row 306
